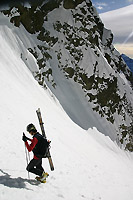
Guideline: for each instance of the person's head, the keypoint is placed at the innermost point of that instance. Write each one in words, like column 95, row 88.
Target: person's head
column 31, row 129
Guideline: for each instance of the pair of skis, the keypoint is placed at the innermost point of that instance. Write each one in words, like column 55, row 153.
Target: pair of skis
column 44, row 135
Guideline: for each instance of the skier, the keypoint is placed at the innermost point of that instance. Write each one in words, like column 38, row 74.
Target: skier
column 35, row 165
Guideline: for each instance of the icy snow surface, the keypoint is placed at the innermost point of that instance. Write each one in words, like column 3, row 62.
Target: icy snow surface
column 88, row 165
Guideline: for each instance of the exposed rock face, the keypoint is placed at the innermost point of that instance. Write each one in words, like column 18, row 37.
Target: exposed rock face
column 73, row 50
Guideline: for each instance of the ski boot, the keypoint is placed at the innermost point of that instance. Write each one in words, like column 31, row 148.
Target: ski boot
column 42, row 178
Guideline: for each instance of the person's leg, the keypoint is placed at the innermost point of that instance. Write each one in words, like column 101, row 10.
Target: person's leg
column 32, row 167
column 39, row 166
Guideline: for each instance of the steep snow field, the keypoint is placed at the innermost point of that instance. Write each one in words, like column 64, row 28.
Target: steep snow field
column 88, row 165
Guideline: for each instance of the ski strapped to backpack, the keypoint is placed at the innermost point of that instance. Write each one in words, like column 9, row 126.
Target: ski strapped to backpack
column 48, row 155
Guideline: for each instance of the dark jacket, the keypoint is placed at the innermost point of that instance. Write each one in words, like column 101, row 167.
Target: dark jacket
column 38, row 145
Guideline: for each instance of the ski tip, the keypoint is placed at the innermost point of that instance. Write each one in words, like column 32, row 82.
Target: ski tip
column 38, row 110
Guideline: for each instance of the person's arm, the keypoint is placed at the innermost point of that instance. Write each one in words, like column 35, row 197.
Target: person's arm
column 32, row 145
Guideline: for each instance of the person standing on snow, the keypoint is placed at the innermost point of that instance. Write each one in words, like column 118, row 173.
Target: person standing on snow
column 35, row 165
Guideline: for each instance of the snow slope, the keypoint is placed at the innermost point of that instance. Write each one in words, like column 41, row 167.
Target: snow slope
column 79, row 65
column 121, row 24
column 88, row 165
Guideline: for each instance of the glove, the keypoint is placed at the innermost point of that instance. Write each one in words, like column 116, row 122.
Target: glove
column 24, row 138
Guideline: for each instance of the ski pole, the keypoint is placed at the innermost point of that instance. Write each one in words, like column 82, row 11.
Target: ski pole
column 29, row 155
column 27, row 159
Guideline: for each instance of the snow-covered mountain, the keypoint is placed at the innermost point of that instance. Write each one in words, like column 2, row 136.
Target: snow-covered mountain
column 88, row 164
column 120, row 23
column 75, row 59
column 128, row 61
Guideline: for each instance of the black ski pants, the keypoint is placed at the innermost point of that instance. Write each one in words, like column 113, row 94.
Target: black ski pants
column 35, row 167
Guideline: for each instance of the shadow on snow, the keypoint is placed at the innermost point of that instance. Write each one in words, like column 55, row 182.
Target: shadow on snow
column 19, row 182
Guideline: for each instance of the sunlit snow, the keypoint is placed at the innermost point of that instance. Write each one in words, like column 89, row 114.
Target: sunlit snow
column 88, row 164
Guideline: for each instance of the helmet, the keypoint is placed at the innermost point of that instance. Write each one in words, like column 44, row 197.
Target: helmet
column 31, row 127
